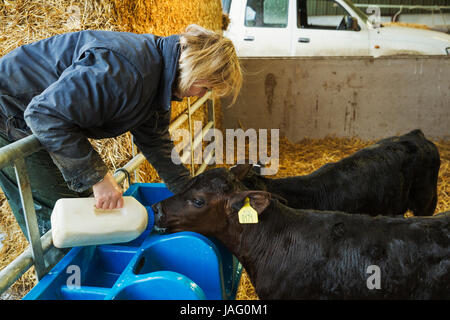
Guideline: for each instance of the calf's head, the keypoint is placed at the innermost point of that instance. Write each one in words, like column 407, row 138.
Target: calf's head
column 209, row 204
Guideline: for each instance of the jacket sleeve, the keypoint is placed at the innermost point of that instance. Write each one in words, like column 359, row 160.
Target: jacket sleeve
column 86, row 95
column 155, row 143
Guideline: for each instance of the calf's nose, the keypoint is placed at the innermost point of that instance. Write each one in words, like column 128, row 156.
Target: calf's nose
column 157, row 210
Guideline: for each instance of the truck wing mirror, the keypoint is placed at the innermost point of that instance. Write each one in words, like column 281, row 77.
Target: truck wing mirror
column 352, row 24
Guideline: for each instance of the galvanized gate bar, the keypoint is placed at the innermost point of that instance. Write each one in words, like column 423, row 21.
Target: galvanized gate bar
column 184, row 116
column 15, row 154
column 19, row 149
column 199, row 135
column 197, row 141
column 30, row 216
column 14, row 270
column 189, row 114
column 398, row 6
column 24, row 261
column 211, row 118
column 205, row 162
column 132, row 165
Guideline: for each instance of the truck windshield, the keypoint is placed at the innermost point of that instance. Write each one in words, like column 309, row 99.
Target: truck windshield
column 358, row 11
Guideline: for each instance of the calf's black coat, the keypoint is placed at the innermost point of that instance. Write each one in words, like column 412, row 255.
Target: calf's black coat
column 310, row 254
column 389, row 177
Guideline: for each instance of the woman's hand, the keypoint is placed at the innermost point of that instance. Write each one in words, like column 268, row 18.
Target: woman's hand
column 107, row 193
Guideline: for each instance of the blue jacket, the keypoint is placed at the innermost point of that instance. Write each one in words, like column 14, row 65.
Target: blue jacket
column 93, row 84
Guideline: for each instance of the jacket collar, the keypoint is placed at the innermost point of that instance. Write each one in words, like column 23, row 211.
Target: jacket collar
column 169, row 48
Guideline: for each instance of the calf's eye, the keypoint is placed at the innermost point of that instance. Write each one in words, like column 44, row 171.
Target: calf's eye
column 198, row 202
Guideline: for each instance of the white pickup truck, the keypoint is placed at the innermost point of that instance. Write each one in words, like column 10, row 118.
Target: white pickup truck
column 321, row 28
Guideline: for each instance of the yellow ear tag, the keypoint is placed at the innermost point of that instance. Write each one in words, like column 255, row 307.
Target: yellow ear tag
column 247, row 214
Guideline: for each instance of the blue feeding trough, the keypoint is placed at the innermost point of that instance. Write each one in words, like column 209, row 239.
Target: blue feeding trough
column 181, row 266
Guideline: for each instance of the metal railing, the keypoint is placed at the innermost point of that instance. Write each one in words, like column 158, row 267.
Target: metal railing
column 34, row 254
column 431, row 8
column 16, row 152
column 405, row 6
column 194, row 142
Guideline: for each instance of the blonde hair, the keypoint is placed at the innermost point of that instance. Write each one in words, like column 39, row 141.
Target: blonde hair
column 208, row 56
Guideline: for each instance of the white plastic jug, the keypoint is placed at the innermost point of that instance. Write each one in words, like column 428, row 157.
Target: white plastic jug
column 76, row 222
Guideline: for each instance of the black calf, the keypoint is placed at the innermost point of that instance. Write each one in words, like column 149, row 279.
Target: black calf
column 389, row 177
column 309, row 254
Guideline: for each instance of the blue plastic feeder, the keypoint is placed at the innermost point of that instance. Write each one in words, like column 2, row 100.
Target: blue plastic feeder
column 180, row 266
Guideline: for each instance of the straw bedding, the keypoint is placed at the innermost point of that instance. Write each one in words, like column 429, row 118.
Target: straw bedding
column 24, row 21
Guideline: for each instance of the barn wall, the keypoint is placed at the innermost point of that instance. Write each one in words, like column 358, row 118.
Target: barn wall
column 351, row 96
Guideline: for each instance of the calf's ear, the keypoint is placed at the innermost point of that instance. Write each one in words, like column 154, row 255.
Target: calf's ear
column 241, row 170
column 259, row 200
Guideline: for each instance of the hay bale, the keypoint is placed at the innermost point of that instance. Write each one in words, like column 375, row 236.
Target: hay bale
column 167, row 17
column 26, row 21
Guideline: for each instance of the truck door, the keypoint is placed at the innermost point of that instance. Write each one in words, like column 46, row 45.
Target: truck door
column 327, row 28
column 267, row 29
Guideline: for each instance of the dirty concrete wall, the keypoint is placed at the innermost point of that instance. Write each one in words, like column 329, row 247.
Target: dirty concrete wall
column 344, row 96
